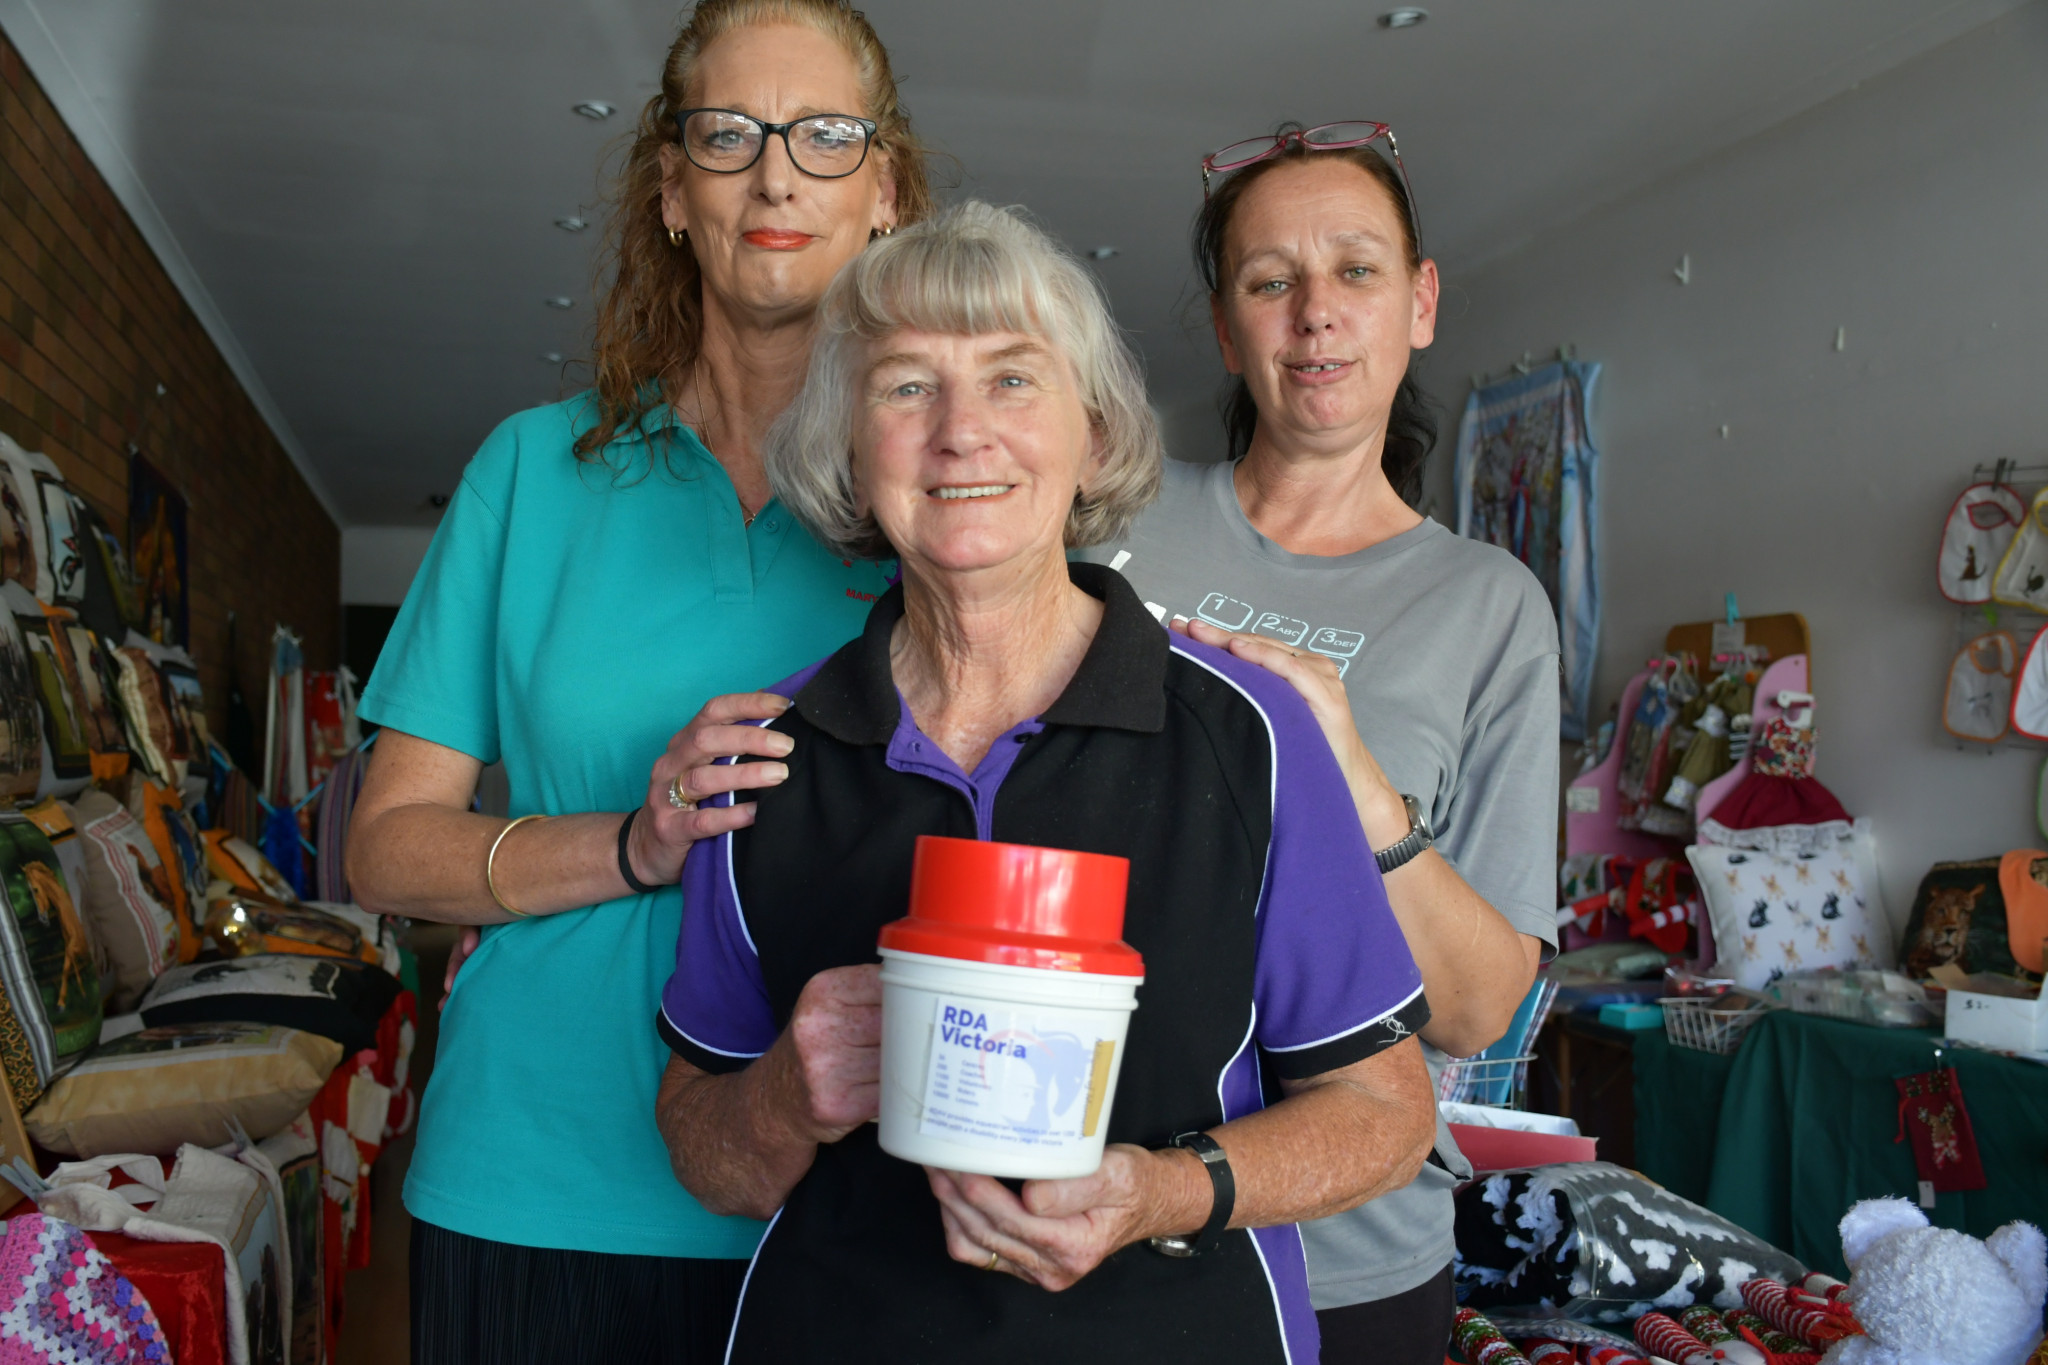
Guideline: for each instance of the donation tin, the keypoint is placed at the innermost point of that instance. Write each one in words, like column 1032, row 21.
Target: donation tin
column 1006, row 995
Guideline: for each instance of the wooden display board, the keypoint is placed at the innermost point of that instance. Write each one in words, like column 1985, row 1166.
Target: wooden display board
column 1784, row 635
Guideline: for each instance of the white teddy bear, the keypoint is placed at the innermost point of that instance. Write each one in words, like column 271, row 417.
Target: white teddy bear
column 1930, row 1296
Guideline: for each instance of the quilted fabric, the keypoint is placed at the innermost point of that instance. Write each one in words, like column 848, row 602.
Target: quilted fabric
column 65, row 1304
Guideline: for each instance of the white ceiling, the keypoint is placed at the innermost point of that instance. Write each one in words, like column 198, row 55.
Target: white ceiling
column 359, row 197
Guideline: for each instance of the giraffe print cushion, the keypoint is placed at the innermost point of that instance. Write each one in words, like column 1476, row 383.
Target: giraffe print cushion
column 1774, row 915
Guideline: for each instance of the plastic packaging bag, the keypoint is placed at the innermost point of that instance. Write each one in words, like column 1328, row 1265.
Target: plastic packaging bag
column 1596, row 1243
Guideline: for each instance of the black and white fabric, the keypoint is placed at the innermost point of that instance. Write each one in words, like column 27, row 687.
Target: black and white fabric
column 329, row 996
column 1597, row 1243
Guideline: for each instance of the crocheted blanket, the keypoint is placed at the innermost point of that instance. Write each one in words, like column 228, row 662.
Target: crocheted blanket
column 63, row 1303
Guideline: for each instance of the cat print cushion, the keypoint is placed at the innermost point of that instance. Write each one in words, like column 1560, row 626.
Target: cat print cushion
column 1974, row 538
column 2022, row 576
column 1980, row 687
column 1773, row 915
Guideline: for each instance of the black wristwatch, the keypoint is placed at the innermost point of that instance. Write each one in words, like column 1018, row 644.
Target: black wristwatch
column 1410, row 848
column 1221, row 1181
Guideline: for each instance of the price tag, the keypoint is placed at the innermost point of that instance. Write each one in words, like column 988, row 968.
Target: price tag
column 1927, row 1194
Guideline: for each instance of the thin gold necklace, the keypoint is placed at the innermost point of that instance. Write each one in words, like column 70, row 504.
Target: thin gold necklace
column 703, row 430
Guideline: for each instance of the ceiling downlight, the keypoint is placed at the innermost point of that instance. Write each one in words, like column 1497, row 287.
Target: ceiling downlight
column 597, row 111
column 1406, row 17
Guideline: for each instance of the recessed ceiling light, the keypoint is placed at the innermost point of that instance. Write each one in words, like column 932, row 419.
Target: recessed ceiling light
column 597, row 111
column 560, row 301
column 1407, row 17
column 551, row 357
column 572, row 223
column 1103, row 253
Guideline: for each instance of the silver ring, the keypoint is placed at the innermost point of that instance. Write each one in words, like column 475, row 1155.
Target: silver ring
column 675, row 794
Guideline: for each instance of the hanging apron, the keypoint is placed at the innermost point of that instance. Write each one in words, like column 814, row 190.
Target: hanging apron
column 1980, row 526
column 1980, row 687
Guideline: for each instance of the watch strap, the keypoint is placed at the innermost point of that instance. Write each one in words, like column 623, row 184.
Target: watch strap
column 1223, row 1186
column 1411, row 847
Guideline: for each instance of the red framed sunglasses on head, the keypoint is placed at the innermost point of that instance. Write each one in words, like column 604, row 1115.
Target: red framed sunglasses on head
column 1324, row 137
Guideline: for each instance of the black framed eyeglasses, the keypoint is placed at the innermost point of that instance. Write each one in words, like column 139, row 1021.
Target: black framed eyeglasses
column 726, row 142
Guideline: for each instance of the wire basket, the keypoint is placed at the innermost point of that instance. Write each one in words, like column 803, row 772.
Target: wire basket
column 1496, row 1082
column 1694, row 1022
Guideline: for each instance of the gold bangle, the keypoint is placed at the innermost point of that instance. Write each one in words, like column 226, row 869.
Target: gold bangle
column 491, row 860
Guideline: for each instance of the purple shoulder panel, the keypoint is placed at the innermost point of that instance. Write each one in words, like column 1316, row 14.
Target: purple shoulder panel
column 716, row 998
column 1332, row 960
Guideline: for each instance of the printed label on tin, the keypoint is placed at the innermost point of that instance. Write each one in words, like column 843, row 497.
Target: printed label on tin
column 1014, row 1080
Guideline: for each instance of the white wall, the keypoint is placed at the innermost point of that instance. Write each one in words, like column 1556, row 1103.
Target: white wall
column 378, row 562
column 1912, row 211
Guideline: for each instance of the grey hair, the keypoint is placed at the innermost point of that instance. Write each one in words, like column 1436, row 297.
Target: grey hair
column 971, row 270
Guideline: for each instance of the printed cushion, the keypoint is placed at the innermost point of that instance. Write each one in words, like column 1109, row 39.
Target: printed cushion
column 46, row 958
column 178, row 847
column 237, row 862
column 242, row 924
column 21, row 719
column 1774, row 915
column 155, row 1090
column 1958, row 916
column 333, row 997
column 129, row 908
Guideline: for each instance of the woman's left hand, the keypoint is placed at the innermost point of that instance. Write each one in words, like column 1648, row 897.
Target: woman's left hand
column 1062, row 1229
column 1316, row 678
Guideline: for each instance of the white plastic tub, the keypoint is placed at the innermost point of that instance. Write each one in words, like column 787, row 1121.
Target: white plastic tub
column 999, row 1070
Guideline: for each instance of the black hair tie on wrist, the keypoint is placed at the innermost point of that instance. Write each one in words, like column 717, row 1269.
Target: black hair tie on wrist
column 625, row 863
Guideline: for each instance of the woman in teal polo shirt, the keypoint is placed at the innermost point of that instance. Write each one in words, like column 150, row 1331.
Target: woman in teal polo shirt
column 605, row 565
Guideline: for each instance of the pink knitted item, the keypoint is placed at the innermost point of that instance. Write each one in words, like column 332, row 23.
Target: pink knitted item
column 63, row 1303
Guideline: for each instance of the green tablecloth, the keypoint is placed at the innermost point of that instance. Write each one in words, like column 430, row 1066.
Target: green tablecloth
column 1799, row 1124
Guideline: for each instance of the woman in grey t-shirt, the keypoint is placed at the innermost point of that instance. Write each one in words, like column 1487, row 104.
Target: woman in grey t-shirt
column 1431, row 660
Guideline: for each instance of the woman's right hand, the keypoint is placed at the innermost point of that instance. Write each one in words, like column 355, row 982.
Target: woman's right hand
column 664, row 832
column 826, row 1068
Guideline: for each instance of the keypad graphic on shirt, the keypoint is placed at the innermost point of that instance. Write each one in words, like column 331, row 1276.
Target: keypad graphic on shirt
column 1219, row 609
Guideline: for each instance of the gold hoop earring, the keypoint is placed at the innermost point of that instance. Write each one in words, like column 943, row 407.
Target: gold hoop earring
column 888, row 230
column 675, row 238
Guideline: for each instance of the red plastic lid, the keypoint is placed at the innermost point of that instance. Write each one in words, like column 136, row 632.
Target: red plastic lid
column 1017, row 906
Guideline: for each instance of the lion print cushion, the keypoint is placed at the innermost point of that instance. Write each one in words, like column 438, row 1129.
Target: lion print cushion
column 1958, row 916
column 1774, row 916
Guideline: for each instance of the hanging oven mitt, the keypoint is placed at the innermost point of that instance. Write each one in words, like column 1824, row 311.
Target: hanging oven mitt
column 1980, row 687
column 2022, row 576
column 1980, row 526
column 2030, row 690
column 1932, row 1115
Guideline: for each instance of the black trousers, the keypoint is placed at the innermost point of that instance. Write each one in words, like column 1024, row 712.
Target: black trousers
column 476, row 1302
column 1411, row 1328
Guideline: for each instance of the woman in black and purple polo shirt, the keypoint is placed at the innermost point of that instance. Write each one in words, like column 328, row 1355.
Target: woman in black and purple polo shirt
column 971, row 410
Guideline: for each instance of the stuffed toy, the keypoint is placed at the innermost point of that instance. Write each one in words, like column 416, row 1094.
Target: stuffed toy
column 1931, row 1296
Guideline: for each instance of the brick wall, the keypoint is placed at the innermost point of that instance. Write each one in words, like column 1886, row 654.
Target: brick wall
column 90, row 325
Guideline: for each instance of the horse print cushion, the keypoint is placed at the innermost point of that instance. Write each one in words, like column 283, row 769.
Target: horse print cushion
column 1958, row 916
column 1775, row 915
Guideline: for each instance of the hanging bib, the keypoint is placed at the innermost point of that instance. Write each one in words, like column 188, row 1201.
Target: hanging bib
column 1980, row 687
column 2030, row 692
column 1980, row 526
column 2022, row 576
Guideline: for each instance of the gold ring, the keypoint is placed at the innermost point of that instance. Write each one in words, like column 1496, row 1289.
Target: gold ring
column 675, row 794
column 995, row 1259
